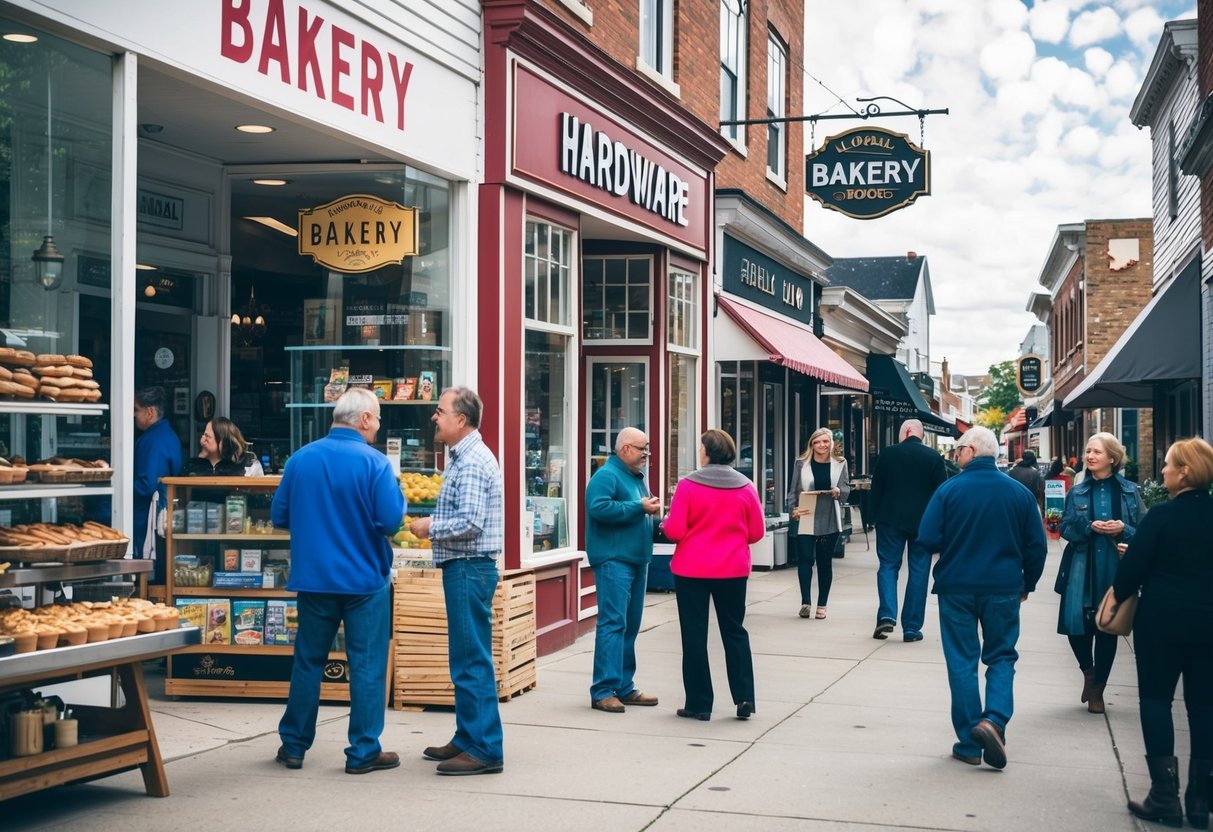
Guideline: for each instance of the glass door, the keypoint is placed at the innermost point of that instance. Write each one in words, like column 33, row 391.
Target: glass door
column 773, row 445
column 617, row 399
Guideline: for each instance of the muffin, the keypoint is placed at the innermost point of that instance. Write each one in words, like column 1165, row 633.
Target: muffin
column 97, row 630
column 27, row 641
column 48, row 636
column 73, row 634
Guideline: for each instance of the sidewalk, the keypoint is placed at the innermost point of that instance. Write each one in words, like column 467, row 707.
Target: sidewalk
column 850, row 733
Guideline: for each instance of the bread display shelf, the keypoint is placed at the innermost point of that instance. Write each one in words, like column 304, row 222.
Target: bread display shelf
column 87, row 571
column 69, row 475
column 75, row 553
column 45, row 408
column 37, row 491
column 180, row 536
column 228, row 592
column 42, row 664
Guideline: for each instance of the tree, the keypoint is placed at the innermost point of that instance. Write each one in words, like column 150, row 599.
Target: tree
column 994, row 418
column 1002, row 392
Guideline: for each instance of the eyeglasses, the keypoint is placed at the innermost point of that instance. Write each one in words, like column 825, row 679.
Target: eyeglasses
column 960, row 448
column 644, row 449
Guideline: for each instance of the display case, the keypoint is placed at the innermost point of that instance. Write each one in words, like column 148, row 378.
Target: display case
column 407, row 379
column 227, row 569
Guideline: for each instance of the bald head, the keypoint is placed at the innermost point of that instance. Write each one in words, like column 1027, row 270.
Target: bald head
column 632, row 448
column 910, row 427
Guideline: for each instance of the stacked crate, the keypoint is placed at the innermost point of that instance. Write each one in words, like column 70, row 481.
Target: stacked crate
column 419, row 633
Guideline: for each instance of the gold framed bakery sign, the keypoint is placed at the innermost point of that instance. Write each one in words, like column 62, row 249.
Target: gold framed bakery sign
column 358, row 233
column 868, row 172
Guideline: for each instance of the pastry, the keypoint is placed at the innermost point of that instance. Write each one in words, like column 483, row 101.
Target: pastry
column 50, row 358
column 45, row 370
column 77, row 361
column 5, row 374
column 22, row 358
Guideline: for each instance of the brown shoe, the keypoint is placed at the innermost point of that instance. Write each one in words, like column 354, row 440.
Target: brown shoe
column 465, row 763
column 993, row 748
column 638, row 698
column 385, row 760
column 440, row 753
column 611, row 705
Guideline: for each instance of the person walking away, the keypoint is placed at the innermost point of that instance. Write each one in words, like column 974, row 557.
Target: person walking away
column 157, row 454
column 819, row 468
column 468, row 534
column 991, row 547
column 619, row 544
column 906, row 476
column 341, row 502
column 1026, row 472
column 714, row 516
column 1101, row 510
column 1170, row 560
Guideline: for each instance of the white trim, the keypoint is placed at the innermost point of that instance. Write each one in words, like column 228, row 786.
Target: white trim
column 777, row 181
column 657, row 78
column 123, row 217
column 579, row 10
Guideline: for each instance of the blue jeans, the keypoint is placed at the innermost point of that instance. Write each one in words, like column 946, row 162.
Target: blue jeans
column 891, row 543
column 620, row 587
column 959, row 617
column 367, row 620
column 468, row 585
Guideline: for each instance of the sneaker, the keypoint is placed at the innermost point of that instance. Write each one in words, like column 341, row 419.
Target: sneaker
column 883, row 628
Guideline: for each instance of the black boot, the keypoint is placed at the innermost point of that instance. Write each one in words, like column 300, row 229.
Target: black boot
column 1162, row 803
column 1088, row 682
column 1196, row 795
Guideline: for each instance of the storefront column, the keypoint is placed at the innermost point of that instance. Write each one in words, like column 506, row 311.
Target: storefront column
column 123, row 207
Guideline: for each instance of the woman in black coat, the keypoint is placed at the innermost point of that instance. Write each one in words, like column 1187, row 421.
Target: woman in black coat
column 1170, row 560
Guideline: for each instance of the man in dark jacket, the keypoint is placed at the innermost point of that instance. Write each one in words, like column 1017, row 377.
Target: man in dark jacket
column 1026, row 472
column 991, row 547
column 906, row 476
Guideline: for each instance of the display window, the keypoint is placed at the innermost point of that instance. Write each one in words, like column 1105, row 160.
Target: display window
column 617, row 399
column 617, row 299
column 547, row 383
column 682, row 332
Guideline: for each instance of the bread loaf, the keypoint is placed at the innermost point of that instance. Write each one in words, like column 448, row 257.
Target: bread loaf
column 78, row 361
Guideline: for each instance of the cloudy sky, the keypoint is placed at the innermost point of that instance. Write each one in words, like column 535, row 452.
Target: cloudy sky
column 1038, row 135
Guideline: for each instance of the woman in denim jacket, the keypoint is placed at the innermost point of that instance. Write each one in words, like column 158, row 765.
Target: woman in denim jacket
column 1101, row 511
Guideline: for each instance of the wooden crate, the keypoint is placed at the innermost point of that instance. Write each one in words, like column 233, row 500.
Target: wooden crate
column 419, row 633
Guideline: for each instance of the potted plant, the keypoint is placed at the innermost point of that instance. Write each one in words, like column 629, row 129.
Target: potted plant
column 1053, row 523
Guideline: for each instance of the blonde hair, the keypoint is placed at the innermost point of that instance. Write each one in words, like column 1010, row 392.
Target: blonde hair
column 1112, row 447
column 1197, row 456
column 808, row 448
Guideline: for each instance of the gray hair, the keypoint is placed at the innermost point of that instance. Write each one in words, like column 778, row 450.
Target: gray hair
column 981, row 440
column 1111, row 446
column 352, row 404
column 910, row 427
column 627, row 436
column 468, row 403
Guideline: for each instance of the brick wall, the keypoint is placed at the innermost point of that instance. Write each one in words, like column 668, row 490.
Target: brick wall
column 1204, row 33
column 1113, row 298
column 615, row 30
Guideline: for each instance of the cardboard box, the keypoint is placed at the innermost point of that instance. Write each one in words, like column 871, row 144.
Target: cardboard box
column 195, row 518
column 236, row 507
column 250, row 560
column 192, row 611
column 236, row 580
column 248, row 622
column 231, row 560
column 214, row 518
column 218, row 622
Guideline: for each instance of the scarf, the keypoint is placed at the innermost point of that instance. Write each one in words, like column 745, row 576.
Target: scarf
column 719, row 476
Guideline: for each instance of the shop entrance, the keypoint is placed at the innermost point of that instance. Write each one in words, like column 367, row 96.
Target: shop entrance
column 163, row 357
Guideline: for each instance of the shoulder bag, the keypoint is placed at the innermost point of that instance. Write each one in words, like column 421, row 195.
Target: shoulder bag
column 1113, row 618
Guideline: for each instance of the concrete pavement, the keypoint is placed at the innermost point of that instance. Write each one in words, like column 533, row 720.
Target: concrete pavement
column 851, row 733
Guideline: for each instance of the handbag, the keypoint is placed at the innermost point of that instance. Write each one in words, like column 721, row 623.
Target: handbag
column 1113, row 618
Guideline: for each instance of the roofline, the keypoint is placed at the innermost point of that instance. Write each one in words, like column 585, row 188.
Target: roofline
column 1177, row 47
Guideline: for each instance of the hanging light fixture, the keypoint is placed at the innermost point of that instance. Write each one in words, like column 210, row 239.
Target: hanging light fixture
column 249, row 323
column 48, row 261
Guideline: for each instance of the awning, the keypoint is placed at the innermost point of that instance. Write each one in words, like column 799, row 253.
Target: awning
column 1045, row 421
column 1162, row 344
column 794, row 347
column 894, row 392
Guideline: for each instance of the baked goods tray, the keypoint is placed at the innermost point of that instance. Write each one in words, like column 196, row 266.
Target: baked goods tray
column 75, row 553
column 71, row 475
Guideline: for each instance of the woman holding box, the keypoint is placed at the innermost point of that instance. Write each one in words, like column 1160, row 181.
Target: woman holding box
column 818, row 470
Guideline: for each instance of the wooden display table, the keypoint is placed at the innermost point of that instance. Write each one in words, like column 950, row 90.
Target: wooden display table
column 419, row 633
column 111, row 739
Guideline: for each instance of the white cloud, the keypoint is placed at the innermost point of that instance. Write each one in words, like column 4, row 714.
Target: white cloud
column 1049, row 22
column 1094, row 26
column 1123, row 81
column 1081, row 143
column 1098, row 61
column 1009, row 57
column 1144, row 27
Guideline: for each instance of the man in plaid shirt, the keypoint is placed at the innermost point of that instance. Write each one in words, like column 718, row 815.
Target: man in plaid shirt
column 467, row 533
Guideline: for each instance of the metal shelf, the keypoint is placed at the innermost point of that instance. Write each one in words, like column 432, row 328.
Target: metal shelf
column 38, row 491
column 380, row 348
column 87, row 570
column 45, row 408
column 113, row 651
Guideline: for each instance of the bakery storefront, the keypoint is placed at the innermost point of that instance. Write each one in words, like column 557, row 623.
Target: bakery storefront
column 770, row 363
column 594, row 241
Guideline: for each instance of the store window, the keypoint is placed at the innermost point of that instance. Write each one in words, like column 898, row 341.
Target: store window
column 777, row 132
column 736, row 385
column 56, row 140
column 616, row 401
column 732, row 68
column 547, row 267
column 682, row 445
column 657, row 36
column 617, row 299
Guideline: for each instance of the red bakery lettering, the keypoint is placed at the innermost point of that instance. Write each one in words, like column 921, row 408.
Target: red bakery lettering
column 308, row 59
column 341, row 67
column 372, row 80
column 235, row 16
column 273, row 43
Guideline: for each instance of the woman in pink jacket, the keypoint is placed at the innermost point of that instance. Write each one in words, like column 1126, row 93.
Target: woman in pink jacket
column 714, row 516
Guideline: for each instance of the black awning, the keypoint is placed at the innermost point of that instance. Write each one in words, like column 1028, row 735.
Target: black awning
column 1161, row 345
column 1045, row 421
column 894, row 392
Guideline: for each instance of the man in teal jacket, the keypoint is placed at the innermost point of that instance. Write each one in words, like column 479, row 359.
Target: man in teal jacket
column 619, row 543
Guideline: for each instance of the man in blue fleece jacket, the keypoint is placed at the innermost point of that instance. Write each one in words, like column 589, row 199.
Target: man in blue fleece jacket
column 619, row 543
column 341, row 502
column 157, row 454
column 991, row 544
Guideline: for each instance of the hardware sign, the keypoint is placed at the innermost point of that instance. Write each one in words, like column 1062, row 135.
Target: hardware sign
column 867, row 172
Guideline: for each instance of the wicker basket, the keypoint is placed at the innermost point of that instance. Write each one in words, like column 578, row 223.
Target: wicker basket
column 75, row 553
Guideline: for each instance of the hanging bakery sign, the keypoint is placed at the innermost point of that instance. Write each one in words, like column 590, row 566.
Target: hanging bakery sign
column 358, row 233
column 868, row 172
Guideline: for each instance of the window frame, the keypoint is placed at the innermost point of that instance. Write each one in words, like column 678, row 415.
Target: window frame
column 656, row 37
column 647, row 340
column 735, row 133
column 777, row 70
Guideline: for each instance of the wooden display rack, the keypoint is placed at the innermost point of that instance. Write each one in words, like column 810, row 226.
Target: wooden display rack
column 419, row 632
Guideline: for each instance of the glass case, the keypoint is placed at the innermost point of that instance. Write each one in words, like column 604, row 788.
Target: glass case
column 407, row 379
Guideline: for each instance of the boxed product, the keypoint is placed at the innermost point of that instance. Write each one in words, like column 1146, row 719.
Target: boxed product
column 236, row 580
column 231, row 560
column 214, row 518
column 425, row 386
column 218, row 621
column 382, row 387
column 236, row 507
column 248, row 622
column 195, row 517
column 339, row 379
column 405, row 389
column 192, row 612
column 281, row 620
column 190, row 570
column 250, row 560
